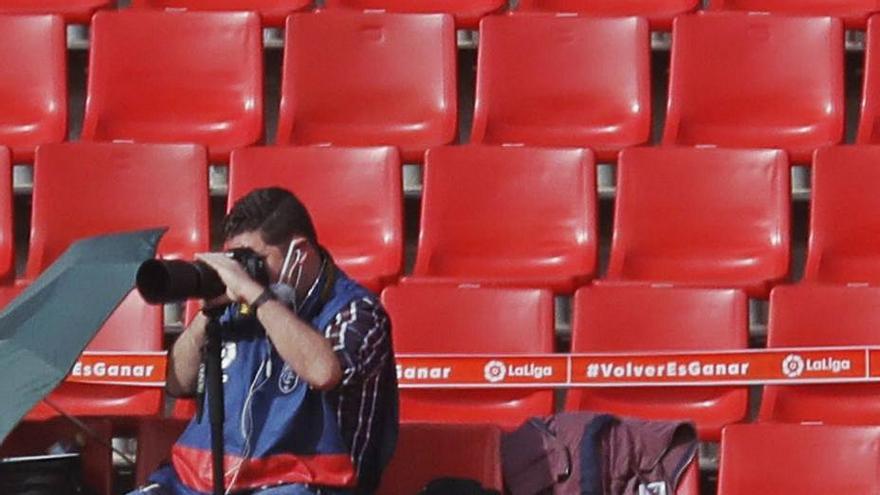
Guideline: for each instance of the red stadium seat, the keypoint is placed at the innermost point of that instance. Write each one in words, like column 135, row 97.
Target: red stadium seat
column 272, row 12
column 429, row 451
column 354, row 79
column 73, row 11
column 869, row 119
column 84, row 189
column 706, row 217
column 756, row 81
column 636, row 318
column 7, row 240
column 777, row 459
column 155, row 438
column 444, row 319
column 853, row 12
column 33, row 83
column 176, row 77
column 659, row 12
column 467, row 12
column 508, row 216
column 816, row 316
column 844, row 245
column 539, row 83
column 354, row 196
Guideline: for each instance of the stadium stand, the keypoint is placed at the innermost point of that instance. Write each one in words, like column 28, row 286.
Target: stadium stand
column 7, row 233
column 659, row 12
column 367, row 79
column 756, row 81
column 667, row 319
column 272, row 12
column 702, row 216
column 508, row 216
column 807, row 315
column 845, row 217
column 774, row 458
column 539, row 82
column 446, row 319
column 354, row 196
column 84, row 189
column 73, row 11
column 854, row 13
column 869, row 117
column 33, row 83
column 176, row 77
column 467, row 13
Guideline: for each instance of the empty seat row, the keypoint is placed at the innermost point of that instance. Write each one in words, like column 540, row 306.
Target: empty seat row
column 509, row 216
column 357, row 79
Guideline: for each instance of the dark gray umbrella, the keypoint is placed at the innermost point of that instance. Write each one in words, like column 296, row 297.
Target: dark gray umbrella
column 45, row 329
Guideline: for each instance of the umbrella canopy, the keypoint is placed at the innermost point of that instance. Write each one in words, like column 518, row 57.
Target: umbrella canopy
column 45, row 329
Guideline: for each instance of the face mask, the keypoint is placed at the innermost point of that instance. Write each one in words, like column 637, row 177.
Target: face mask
column 291, row 274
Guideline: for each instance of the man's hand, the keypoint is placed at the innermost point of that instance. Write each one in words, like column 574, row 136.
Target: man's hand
column 240, row 287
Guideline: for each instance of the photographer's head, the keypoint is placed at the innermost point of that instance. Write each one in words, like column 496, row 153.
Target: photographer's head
column 274, row 223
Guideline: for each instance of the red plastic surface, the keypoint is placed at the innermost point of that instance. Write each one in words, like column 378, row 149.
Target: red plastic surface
column 659, row 12
column 35, row 438
column 429, row 451
column 809, row 315
column 272, row 12
column 155, row 437
column 777, row 459
column 869, row 118
column 176, row 77
column 354, row 196
column 706, row 217
column 636, row 318
column 844, row 245
column 354, row 79
column 853, row 12
column 7, row 232
column 85, row 189
column 73, row 11
column 467, row 13
column 564, row 81
column 33, row 83
column 509, row 216
column 756, row 81
column 446, row 319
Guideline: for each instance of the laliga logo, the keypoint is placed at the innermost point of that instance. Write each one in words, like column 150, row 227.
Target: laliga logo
column 495, row 371
column 793, row 366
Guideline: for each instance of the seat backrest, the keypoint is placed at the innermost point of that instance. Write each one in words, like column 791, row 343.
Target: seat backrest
column 521, row 214
column 845, row 216
column 467, row 12
column 854, row 12
column 354, row 196
column 448, row 319
column 545, row 70
column 73, row 11
column 429, row 451
column 175, row 77
column 85, row 189
column 33, row 82
column 659, row 12
column 363, row 79
column 667, row 319
column 7, row 240
column 780, row 458
column 807, row 315
column 272, row 12
column 869, row 118
column 744, row 80
column 701, row 214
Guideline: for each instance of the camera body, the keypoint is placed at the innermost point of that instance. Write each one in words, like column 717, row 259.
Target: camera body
column 165, row 281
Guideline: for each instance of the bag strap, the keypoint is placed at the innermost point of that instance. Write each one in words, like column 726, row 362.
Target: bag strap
column 591, row 454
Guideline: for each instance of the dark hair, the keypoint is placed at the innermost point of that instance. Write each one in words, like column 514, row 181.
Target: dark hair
column 274, row 212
